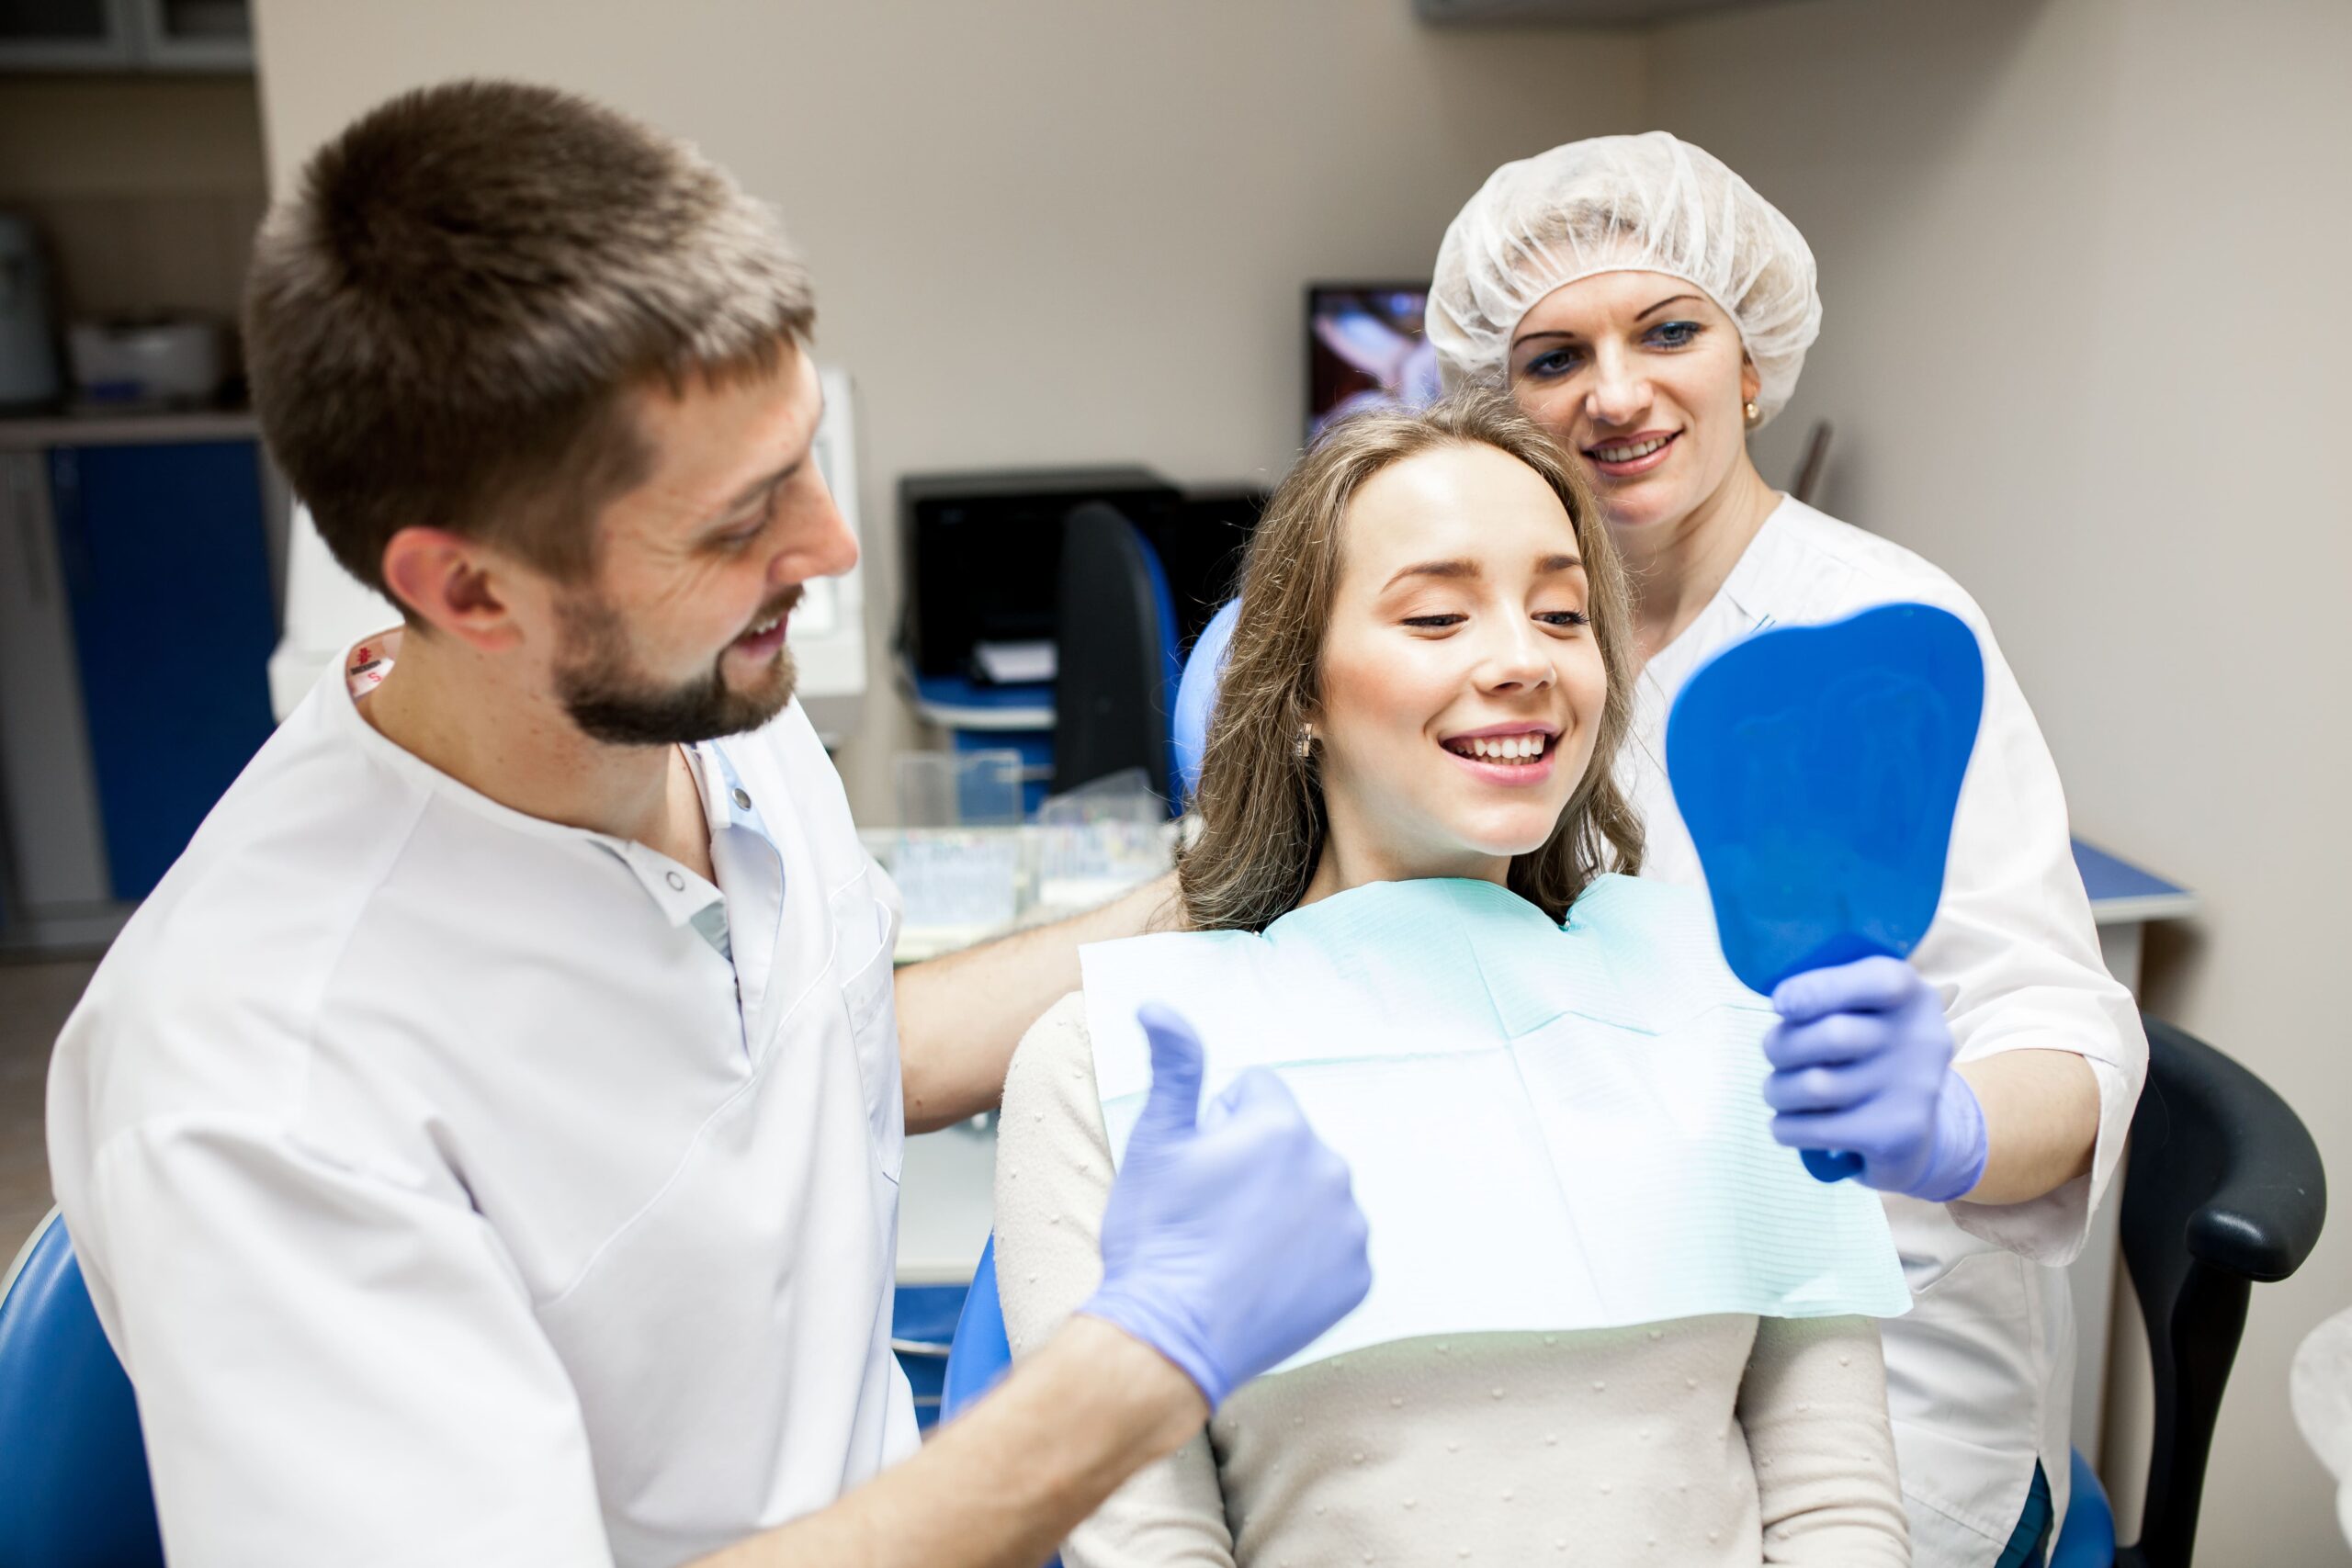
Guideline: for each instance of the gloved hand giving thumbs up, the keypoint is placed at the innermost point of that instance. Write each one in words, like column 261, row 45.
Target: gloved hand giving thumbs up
column 1232, row 1238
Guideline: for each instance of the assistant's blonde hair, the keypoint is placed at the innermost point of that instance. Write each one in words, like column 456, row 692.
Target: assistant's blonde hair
column 1263, row 815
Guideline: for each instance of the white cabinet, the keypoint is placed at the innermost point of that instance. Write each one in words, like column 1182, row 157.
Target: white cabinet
column 54, row 849
column 126, row 35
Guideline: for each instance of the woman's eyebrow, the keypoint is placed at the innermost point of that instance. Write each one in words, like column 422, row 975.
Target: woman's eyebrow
column 1433, row 569
column 1545, row 567
column 1564, row 332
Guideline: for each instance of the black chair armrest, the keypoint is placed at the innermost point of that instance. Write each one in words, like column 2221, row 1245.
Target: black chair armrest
column 2264, row 1214
column 2224, row 1236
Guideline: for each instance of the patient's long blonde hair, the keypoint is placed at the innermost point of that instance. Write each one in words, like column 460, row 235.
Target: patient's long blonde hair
column 1263, row 817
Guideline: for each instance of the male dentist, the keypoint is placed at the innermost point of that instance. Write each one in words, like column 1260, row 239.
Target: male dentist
column 483, row 1145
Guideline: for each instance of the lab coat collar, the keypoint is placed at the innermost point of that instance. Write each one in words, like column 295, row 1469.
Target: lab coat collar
column 678, row 892
column 1741, row 605
column 1757, row 581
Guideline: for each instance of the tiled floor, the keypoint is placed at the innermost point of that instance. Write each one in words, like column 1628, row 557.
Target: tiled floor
column 34, row 1000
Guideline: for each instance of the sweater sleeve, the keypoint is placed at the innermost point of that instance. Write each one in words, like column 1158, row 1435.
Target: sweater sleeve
column 1814, row 1407
column 1053, row 1177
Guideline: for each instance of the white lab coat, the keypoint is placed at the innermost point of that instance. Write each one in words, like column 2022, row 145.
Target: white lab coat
column 1979, row 1373
column 459, row 1186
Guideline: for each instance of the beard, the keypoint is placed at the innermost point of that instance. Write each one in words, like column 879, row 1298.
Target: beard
column 599, row 683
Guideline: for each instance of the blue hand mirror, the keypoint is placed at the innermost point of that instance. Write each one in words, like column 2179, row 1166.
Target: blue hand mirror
column 1817, row 769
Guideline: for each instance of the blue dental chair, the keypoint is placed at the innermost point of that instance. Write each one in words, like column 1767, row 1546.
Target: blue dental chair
column 74, row 1490
column 980, row 1352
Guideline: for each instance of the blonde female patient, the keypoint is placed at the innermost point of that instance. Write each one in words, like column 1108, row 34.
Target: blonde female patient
column 1430, row 679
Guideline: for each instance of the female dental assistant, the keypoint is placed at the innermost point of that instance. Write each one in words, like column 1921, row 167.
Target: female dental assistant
column 1646, row 306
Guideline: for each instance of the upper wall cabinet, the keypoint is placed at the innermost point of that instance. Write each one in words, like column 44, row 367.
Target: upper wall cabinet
column 1572, row 12
column 126, row 35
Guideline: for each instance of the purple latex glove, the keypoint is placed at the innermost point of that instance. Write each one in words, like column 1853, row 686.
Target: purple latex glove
column 1232, row 1238
column 1861, row 1061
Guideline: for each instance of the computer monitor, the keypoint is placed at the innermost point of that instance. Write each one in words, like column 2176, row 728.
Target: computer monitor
column 1365, row 349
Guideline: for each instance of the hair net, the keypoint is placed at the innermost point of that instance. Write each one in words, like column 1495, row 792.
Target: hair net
column 1646, row 203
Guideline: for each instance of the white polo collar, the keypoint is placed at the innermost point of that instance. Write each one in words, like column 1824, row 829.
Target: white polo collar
column 681, row 894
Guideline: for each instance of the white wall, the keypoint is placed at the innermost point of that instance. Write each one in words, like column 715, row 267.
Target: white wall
column 1043, row 230
column 2086, row 344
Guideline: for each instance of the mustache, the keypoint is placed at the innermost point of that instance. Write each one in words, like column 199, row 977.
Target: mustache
column 783, row 604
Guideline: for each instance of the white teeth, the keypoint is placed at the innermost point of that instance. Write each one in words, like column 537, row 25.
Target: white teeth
column 1504, row 748
column 1627, row 454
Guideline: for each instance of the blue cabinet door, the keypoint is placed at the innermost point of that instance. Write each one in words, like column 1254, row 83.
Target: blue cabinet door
column 167, row 572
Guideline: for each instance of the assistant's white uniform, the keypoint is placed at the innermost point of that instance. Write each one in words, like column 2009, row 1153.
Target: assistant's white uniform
column 1979, row 1374
column 458, row 1187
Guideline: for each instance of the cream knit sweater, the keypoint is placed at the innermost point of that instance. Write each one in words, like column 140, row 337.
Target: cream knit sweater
column 1727, row 1440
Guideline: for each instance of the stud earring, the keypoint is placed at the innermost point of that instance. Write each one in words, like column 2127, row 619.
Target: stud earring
column 1305, row 742
column 1755, row 415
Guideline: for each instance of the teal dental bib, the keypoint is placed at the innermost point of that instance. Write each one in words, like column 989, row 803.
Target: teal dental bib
column 1550, row 1127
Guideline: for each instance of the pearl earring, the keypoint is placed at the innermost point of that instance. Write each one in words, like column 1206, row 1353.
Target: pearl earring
column 1755, row 415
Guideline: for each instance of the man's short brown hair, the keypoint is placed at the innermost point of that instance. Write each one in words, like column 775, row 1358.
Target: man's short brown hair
column 444, row 322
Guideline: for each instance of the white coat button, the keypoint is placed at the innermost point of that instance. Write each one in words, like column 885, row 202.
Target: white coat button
column 677, row 883
column 743, row 798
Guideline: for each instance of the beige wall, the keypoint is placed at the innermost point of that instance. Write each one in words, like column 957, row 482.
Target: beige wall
column 2072, row 347
column 2085, row 345
column 1043, row 230
column 147, row 189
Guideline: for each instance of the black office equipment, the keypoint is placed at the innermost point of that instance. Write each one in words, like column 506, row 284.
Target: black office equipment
column 1118, row 653
column 983, row 563
column 982, row 553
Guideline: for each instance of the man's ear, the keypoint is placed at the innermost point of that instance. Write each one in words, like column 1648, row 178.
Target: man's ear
column 453, row 584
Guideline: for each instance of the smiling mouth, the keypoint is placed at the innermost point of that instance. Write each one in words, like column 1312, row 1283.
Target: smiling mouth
column 1510, row 751
column 776, row 616
column 1631, row 451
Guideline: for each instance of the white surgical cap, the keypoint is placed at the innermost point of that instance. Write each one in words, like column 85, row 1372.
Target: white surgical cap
column 1645, row 203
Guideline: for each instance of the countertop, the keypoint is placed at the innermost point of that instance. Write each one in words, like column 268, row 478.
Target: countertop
column 29, row 432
